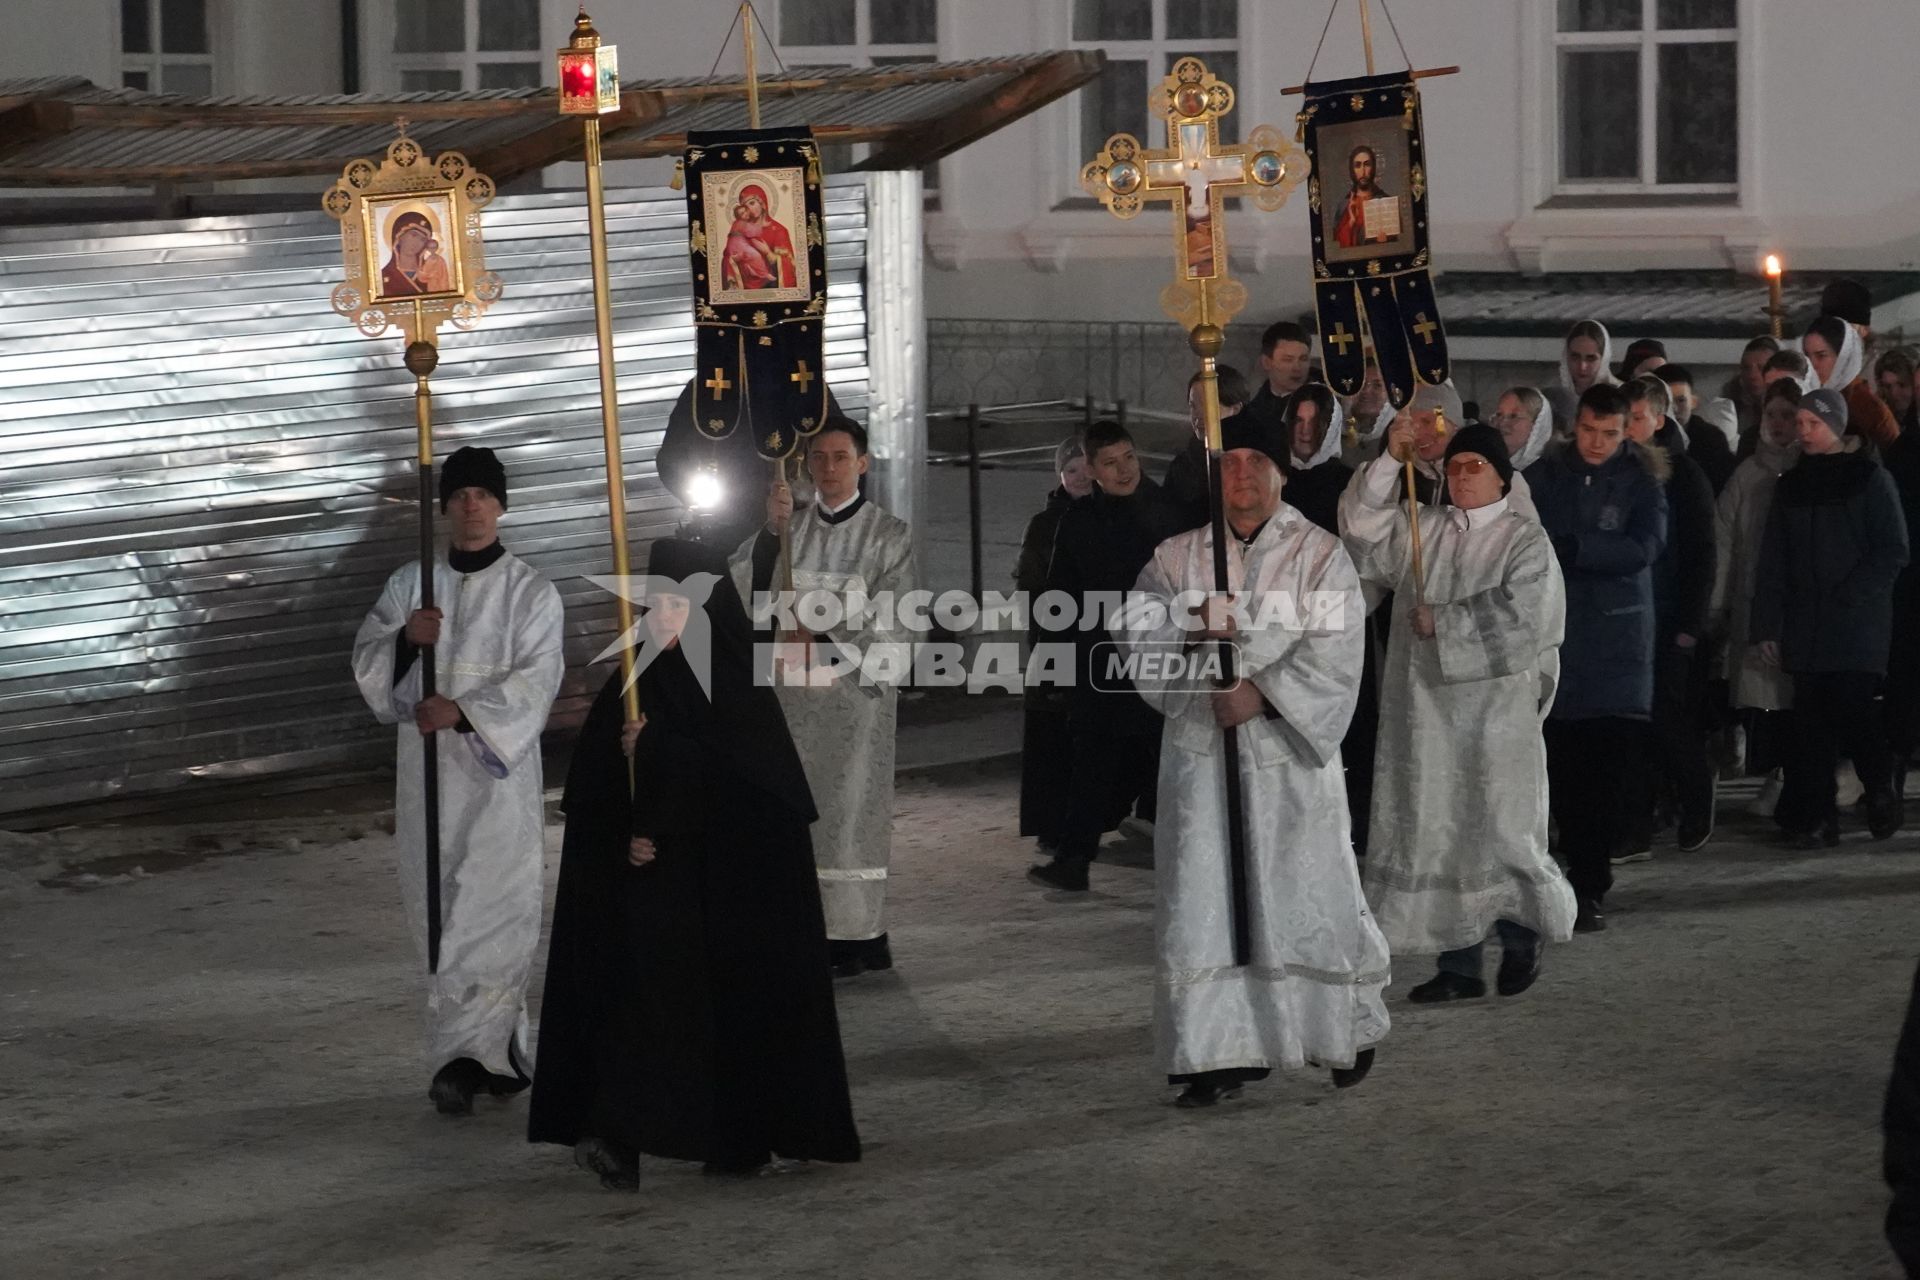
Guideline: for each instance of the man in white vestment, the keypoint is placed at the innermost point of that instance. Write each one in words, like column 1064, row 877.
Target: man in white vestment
column 495, row 636
column 1459, row 847
column 1312, row 992
column 842, row 708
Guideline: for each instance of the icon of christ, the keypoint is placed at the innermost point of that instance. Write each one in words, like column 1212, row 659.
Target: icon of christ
column 1351, row 230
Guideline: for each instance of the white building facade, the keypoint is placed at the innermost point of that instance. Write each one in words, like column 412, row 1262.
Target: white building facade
column 1580, row 135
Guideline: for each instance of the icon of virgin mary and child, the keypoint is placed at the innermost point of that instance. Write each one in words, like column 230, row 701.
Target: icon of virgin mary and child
column 759, row 252
column 415, row 266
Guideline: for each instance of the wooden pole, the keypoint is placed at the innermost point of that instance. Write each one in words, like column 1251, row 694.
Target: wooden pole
column 421, row 359
column 610, row 408
column 747, row 20
column 1206, row 340
column 1366, row 33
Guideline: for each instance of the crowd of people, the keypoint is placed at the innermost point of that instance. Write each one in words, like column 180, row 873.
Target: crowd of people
column 1549, row 633
column 1629, row 587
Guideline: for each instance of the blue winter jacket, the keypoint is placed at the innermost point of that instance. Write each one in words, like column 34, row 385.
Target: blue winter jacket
column 1608, row 525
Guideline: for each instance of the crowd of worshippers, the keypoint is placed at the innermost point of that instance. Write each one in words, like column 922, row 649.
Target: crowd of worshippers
column 1714, row 584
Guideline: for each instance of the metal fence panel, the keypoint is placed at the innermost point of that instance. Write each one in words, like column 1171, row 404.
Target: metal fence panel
column 206, row 475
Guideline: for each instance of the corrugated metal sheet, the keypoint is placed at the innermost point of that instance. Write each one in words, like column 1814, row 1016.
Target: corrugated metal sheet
column 206, row 475
column 118, row 136
column 1673, row 304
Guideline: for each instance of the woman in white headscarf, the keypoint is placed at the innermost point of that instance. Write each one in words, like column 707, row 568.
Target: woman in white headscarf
column 1759, row 693
column 1839, row 360
column 1586, row 359
column 1315, row 475
column 1524, row 420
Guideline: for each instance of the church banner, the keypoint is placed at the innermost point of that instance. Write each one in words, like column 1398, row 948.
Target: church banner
column 757, row 232
column 1371, row 263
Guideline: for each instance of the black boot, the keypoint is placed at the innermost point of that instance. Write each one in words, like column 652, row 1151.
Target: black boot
column 1520, row 968
column 1210, row 1088
column 455, row 1084
column 1445, row 986
column 1886, row 814
column 1347, row 1077
column 1589, row 918
column 617, row 1167
column 876, row 955
column 1065, row 872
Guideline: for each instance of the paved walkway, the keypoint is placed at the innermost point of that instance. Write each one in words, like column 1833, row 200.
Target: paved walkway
column 207, row 1071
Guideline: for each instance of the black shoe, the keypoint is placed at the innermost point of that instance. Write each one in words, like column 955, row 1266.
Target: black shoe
column 1206, row 1093
column 844, row 958
column 1445, row 986
column 455, row 1084
column 1347, row 1077
column 1519, row 968
column 1588, row 918
column 1885, row 814
column 876, row 956
column 1064, row 873
column 617, row 1168
column 1824, row 836
column 506, row 1086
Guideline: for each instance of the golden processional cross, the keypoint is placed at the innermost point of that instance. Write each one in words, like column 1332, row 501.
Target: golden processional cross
column 1196, row 174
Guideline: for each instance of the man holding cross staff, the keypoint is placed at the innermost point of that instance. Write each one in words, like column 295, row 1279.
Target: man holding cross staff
column 1268, row 955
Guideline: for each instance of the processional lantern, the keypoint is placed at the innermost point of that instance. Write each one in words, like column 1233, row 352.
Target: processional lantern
column 410, row 237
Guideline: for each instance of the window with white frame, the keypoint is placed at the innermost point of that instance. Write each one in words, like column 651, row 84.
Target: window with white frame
column 1648, row 96
column 462, row 44
column 836, row 34
column 166, row 46
column 1142, row 40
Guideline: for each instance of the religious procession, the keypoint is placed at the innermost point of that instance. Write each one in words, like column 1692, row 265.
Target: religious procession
column 753, row 674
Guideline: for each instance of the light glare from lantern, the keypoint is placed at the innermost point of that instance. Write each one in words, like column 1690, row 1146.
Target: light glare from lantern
column 1773, row 264
column 704, row 491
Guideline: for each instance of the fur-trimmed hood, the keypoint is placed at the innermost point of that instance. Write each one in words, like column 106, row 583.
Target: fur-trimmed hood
column 1652, row 459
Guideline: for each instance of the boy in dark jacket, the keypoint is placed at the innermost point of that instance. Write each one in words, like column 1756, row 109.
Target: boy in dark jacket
column 1682, row 594
column 1102, row 544
column 1601, row 502
column 1823, row 611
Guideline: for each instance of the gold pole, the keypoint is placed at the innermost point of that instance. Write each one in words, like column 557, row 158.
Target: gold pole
column 610, row 406
column 1366, row 34
column 747, row 20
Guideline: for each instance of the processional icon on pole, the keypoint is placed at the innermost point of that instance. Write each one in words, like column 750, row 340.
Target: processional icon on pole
column 410, row 239
column 1196, row 173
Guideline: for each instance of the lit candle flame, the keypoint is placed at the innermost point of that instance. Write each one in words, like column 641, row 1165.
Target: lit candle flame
column 1773, row 265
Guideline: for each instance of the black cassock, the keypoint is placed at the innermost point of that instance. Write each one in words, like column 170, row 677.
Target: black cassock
column 689, row 1004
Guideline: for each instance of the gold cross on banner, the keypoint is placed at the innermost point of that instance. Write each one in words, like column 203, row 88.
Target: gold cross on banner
column 804, row 378
column 718, row 383
column 1425, row 328
column 1194, row 174
column 1341, row 338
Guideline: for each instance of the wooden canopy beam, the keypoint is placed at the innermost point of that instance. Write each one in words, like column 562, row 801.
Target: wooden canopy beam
column 1055, row 78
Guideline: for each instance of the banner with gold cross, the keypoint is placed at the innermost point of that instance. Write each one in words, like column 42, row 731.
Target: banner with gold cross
column 1367, row 196
column 757, row 232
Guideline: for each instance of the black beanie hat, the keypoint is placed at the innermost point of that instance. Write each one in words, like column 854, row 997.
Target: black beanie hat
column 1849, row 300
column 473, row 468
column 1489, row 444
column 1251, row 429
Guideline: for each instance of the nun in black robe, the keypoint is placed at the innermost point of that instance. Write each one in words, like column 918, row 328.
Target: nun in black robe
column 689, row 1006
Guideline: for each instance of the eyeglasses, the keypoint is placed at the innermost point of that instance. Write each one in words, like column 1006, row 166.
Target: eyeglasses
column 1466, row 466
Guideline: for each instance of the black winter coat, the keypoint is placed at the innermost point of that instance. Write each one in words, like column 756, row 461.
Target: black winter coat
column 1608, row 525
column 1835, row 543
column 1102, row 545
column 1707, row 445
column 1683, row 575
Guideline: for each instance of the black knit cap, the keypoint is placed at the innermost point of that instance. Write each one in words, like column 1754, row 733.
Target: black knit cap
column 1250, row 429
column 1847, row 299
column 472, row 468
column 1489, row 444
